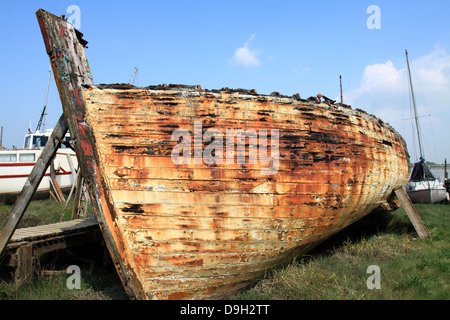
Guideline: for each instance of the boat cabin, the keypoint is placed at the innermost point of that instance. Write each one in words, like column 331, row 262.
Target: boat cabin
column 39, row 140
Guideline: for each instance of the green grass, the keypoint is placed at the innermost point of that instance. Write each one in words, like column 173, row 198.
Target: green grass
column 411, row 268
column 102, row 284
column 39, row 212
column 97, row 286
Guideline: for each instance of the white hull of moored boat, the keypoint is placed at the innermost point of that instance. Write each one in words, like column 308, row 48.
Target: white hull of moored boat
column 16, row 166
column 427, row 192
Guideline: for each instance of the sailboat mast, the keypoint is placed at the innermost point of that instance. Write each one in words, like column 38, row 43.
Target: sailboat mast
column 42, row 119
column 133, row 76
column 415, row 108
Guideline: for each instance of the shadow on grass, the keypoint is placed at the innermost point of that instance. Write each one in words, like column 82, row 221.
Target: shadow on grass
column 97, row 270
column 375, row 223
column 99, row 279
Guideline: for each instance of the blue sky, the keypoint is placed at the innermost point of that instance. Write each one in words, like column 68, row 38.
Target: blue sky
column 285, row 46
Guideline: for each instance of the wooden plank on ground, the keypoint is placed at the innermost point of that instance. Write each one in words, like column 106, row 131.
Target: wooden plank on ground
column 55, row 229
column 34, row 241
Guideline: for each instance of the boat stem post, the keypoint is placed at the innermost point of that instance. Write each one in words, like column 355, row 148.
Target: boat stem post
column 413, row 216
column 32, row 183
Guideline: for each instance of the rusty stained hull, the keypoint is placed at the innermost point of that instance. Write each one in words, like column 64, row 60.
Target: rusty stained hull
column 202, row 230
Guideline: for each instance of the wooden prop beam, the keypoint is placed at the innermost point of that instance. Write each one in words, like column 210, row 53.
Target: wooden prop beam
column 32, row 183
column 418, row 224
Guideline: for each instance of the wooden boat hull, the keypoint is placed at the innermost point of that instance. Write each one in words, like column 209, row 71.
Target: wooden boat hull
column 200, row 228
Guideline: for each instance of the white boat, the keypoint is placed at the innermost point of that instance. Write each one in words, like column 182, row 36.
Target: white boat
column 422, row 186
column 16, row 165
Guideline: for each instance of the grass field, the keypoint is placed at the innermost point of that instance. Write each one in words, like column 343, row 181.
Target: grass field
column 410, row 268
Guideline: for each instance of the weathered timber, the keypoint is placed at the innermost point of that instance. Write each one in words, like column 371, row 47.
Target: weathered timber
column 69, row 197
column 24, row 268
column 65, row 47
column 32, row 183
column 55, row 186
column 185, row 213
column 72, row 167
column 78, row 208
column 27, row 243
column 413, row 216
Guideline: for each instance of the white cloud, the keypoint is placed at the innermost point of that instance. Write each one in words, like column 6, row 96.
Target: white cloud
column 433, row 71
column 382, row 83
column 245, row 57
column 379, row 82
column 384, row 92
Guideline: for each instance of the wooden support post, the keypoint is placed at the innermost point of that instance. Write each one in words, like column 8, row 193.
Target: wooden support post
column 77, row 205
column 32, row 183
column 55, row 193
column 418, row 224
column 54, row 183
column 74, row 185
column 58, row 191
column 72, row 168
column 24, row 269
column 445, row 170
column 52, row 195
